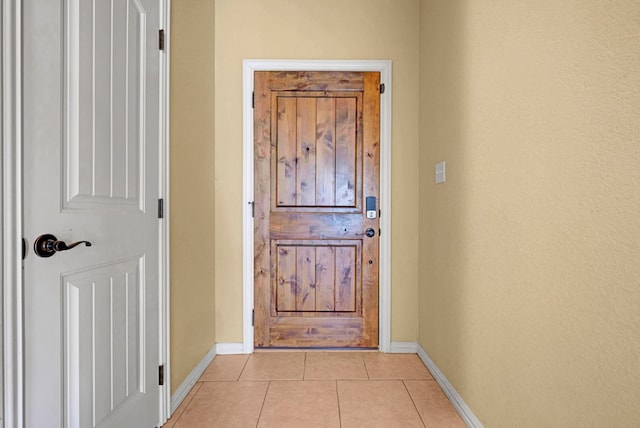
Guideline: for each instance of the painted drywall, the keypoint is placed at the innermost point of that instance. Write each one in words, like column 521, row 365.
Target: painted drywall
column 192, row 185
column 331, row 29
column 530, row 252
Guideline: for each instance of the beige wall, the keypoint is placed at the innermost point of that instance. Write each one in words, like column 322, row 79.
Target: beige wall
column 332, row 29
column 192, row 185
column 526, row 266
column 530, row 252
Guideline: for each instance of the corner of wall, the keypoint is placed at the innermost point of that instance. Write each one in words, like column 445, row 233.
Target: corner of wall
column 192, row 160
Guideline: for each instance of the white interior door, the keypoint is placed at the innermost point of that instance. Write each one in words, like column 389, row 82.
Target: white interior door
column 91, row 172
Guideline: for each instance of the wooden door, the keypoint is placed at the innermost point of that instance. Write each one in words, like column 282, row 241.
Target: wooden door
column 91, row 172
column 316, row 163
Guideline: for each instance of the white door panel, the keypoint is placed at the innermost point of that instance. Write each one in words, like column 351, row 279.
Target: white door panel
column 105, row 103
column 103, row 320
column 91, row 172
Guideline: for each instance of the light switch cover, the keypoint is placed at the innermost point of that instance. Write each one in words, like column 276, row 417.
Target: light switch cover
column 440, row 172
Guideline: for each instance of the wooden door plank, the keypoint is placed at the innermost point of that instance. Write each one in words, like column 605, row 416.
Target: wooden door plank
column 345, row 279
column 306, row 269
column 371, row 185
column 325, row 278
column 263, row 265
column 326, row 152
column 345, row 151
column 286, row 152
column 317, row 81
column 306, row 152
column 287, row 280
column 352, row 322
column 292, row 226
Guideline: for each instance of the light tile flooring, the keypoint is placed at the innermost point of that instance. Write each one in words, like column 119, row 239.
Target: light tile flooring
column 316, row 389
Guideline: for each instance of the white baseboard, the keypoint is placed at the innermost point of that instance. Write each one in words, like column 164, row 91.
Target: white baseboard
column 183, row 390
column 461, row 407
column 404, row 348
column 229, row 348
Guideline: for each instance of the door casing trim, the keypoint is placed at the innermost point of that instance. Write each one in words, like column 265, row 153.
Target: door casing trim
column 164, row 265
column 249, row 66
column 11, row 231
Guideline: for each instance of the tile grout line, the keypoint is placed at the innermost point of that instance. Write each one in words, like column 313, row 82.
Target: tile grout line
column 244, row 366
column 197, row 387
column 338, row 398
column 264, row 400
column 366, row 369
column 413, row 402
column 304, row 367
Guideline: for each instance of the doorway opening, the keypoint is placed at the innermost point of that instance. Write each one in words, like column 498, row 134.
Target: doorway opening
column 383, row 67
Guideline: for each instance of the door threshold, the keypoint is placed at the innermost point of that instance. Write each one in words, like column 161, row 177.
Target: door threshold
column 315, row 349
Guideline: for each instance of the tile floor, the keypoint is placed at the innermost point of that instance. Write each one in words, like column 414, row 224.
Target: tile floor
column 316, row 389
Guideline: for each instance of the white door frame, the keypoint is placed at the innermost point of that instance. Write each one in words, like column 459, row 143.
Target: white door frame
column 11, row 234
column 249, row 66
column 163, row 228
column 11, row 297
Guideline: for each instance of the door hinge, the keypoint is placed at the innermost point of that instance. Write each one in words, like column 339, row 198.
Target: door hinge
column 161, row 40
column 379, row 232
column 160, row 208
column 382, row 88
column 253, row 100
column 253, row 317
column 161, row 375
column 253, row 209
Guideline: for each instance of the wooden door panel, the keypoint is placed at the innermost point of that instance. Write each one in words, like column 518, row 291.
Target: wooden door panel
column 315, row 276
column 318, row 154
column 316, row 159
